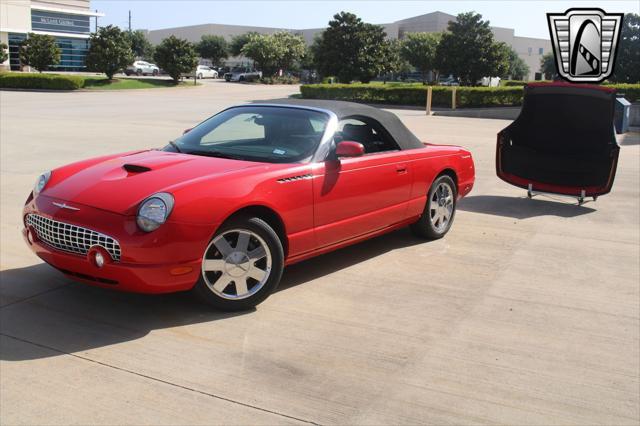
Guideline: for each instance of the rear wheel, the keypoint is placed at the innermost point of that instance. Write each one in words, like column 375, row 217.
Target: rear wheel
column 155, row 73
column 439, row 210
column 241, row 266
column 138, row 73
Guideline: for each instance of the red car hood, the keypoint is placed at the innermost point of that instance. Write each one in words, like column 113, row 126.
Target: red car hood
column 119, row 183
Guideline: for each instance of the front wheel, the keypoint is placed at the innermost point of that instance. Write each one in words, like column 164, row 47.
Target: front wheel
column 241, row 266
column 439, row 210
column 199, row 76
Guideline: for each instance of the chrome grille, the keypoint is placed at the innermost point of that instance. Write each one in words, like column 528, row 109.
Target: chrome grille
column 71, row 238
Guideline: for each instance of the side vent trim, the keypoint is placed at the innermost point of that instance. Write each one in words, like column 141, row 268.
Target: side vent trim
column 295, row 178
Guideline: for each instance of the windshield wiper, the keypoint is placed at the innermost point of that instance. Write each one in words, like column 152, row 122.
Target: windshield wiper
column 175, row 146
column 216, row 154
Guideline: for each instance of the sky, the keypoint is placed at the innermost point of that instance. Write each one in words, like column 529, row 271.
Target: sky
column 526, row 17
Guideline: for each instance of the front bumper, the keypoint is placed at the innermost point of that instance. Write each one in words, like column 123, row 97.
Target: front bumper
column 163, row 261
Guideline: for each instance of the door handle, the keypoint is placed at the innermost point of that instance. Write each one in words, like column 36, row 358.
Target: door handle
column 401, row 170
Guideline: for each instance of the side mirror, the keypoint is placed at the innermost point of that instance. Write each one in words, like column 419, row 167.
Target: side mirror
column 349, row 149
column 187, row 130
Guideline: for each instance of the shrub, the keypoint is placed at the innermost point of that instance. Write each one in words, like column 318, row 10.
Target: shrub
column 441, row 95
column 511, row 83
column 280, row 80
column 631, row 91
column 415, row 95
column 41, row 81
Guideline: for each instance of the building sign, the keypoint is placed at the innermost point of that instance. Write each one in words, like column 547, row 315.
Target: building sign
column 59, row 22
column 56, row 21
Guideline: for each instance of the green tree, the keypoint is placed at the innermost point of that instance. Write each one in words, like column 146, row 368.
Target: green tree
column 265, row 51
column 109, row 51
column 468, row 50
column 213, row 47
column 238, row 42
column 176, row 56
column 548, row 66
column 293, row 49
column 627, row 65
column 307, row 60
column 350, row 49
column 140, row 45
column 517, row 69
column 4, row 53
column 39, row 51
column 419, row 49
column 271, row 52
column 393, row 63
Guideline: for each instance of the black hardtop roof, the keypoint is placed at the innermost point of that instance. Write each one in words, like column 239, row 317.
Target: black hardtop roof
column 398, row 131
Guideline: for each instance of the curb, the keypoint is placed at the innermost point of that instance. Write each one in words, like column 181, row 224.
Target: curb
column 83, row 90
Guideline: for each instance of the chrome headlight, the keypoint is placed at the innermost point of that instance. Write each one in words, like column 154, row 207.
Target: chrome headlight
column 154, row 211
column 41, row 182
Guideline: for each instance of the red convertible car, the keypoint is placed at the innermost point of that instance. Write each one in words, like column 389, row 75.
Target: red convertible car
column 222, row 209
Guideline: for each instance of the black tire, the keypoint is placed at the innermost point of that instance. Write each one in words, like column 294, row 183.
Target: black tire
column 138, row 73
column 241, row 78
column 274, row 245
column 155, row 73
column 199, row 76
column 425, row 227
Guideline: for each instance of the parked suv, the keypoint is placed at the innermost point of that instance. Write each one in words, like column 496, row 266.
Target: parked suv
column 203, row 71
column 242, row 74
column 142, row 68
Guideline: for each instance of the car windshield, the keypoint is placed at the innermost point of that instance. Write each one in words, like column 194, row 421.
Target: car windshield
column 256, row 133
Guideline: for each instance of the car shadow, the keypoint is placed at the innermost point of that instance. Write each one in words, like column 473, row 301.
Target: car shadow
column 58, row 316
column 522, row 207
column 334, row 261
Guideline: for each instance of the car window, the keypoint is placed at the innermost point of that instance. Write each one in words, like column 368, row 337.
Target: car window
column 268, row 134
column 366, row 131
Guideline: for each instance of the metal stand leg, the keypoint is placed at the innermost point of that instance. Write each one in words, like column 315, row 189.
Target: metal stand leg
column 531, row 193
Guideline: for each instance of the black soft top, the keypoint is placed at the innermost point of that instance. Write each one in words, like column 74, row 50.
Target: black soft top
column 398, row 131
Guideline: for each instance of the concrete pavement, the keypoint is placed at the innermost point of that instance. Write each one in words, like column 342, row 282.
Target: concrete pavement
column 528, row 312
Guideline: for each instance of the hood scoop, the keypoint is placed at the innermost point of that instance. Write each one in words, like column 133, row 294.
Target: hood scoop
column 135, row 168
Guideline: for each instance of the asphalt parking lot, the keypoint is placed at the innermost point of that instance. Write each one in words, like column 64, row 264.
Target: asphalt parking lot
column 528, row 312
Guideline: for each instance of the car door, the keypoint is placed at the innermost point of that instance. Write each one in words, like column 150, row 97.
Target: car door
column 359, row 195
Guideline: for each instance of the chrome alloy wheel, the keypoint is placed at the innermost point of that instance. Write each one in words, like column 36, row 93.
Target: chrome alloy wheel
column 236, row 264
column 441, row 207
